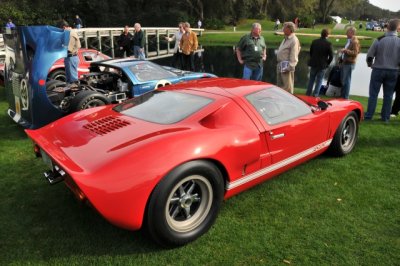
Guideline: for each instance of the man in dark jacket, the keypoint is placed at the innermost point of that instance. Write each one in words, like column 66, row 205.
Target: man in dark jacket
column 124, row 42
column 321, row 56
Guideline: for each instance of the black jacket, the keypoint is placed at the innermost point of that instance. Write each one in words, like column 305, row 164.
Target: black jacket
column 125, row 40
column 321, row 53
column 139, row 39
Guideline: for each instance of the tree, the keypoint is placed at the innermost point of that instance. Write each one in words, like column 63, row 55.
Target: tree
column 325, row 7
column 195, row 8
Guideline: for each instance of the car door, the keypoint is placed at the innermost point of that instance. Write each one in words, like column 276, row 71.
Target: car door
column 293, row 131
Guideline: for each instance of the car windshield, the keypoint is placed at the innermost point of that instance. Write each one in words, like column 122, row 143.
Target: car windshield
column 146, row 71
column 163, row 107
column 276, row 106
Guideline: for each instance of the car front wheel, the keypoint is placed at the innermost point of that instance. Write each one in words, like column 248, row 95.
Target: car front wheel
column 346, row 135
column 185, row 203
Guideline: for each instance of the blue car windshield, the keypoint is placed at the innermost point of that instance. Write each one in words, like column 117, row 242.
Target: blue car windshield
column 146, row 71
column 163, row 107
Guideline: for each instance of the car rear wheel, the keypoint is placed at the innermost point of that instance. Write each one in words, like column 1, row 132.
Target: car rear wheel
column 185, row 204
column 55, row 92
column 58, row 74
column 346, row 136
column 87, row 99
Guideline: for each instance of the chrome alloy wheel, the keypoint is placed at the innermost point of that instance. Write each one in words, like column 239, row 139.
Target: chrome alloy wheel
column 349, row 133
column 189, row 203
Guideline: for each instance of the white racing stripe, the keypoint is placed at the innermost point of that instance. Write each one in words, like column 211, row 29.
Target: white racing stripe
column 276, row 166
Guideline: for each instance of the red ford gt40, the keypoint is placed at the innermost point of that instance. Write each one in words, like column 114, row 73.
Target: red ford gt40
column 167, row 159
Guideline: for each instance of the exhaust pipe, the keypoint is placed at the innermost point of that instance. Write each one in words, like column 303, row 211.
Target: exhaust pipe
column 54, row 177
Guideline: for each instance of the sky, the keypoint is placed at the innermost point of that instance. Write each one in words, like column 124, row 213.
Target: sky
column 392, row 5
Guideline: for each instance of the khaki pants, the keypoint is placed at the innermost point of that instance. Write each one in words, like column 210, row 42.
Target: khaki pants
column 285, row 80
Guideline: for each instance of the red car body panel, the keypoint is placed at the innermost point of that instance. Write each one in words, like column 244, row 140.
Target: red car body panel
column 117, row 168
column 86, row 56
column 1, row 74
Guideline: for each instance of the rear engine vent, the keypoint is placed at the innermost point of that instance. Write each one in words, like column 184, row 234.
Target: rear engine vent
column 106, row 125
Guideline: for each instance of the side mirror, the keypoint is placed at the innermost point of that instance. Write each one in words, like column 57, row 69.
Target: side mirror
column 323, row 105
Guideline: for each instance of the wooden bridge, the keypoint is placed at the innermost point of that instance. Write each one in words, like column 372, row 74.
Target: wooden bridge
column 105, row 40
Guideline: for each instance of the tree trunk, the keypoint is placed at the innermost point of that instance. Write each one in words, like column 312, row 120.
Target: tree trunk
column 264, row 7
column 325, row 6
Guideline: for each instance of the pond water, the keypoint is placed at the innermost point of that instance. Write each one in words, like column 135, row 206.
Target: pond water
column 222, row 61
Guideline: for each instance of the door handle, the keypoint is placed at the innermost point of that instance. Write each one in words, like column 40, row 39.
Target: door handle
column 278, row 136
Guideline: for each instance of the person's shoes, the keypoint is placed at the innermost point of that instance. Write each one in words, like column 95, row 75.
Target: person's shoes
column 393, row 115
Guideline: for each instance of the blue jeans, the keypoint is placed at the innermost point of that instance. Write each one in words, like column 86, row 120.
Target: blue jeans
column 387, row 78
column 347, row 69
column 316, row 75
column 254, row 74
column 138, row 52
column 71, row 68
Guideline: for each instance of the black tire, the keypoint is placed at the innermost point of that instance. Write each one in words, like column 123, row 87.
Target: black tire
column 58, row 74
column 87, row 99
column 346, row 136
column 55, row 96
column 185, row 204
column 52, row 84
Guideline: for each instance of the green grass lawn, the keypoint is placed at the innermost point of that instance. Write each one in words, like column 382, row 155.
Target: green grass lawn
column 329, row 211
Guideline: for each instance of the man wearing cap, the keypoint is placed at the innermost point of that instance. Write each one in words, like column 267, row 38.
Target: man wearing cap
column 71, row 61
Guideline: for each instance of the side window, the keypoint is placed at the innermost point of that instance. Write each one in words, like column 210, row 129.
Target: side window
column 276, row 106
column 88, row 56
column 92, row 57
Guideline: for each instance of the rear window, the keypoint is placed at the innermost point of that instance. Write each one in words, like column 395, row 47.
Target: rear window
column 163, row 107
column 147, row 71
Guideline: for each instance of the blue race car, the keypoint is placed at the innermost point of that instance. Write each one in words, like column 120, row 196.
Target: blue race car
column 113, row 81
column 34, row 102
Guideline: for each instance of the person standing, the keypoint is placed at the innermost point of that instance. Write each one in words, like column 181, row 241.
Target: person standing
column 189, row 46
column 384, row 58
column 138, row 42
column 71, row 61
column 199, row 24
column 321, row 55
column 78, row 22
column 251, row 52
column 277, row 23
column 287, row 57
column 124, row 42
column 296, row 22
column 348, row 59
column 10, row 24
column 177, row 57
column 396, row 102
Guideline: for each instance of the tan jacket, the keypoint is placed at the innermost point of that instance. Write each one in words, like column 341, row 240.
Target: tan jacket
column 289, row 51
column 350, row 55
column 74, row 42
column 189, row 42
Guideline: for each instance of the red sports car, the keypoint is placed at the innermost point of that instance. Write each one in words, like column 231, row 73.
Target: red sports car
column 57, row 71
column 86, row 56
column 166, row 160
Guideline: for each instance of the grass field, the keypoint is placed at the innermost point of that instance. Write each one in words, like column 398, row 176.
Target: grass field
column 329, row 211
column 228, row 37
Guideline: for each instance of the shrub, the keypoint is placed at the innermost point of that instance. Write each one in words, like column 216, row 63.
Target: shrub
column 213, row 24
